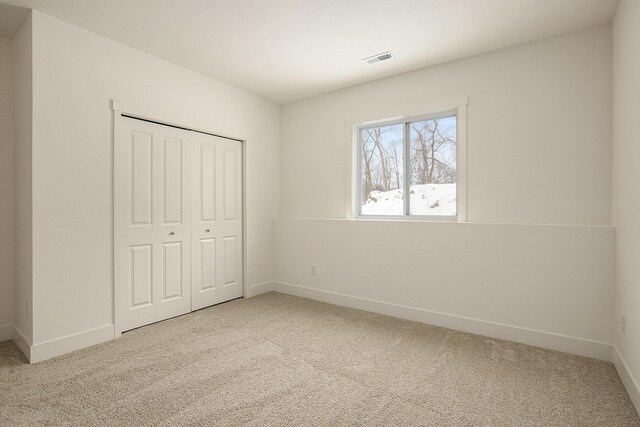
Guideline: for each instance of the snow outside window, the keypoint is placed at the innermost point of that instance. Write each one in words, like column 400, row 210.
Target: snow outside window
column 418, row 155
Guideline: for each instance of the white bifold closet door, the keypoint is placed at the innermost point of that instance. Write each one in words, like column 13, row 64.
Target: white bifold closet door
column 178, row 221
column 152, row 221
column 216, row 221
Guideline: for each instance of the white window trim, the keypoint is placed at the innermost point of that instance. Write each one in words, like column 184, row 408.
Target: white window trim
column 459, row 107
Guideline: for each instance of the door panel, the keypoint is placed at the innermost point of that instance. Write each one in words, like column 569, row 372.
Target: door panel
column 172, row 182
column 216, row 221
column 207, row 182
column 230, row 261
column 141, row 161
column 208, row 264
column 141, row 284
column 152, row 220
column 229, row 184
column 172, row 276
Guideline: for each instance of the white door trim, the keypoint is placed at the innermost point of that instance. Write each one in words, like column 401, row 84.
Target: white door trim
column 119, row 108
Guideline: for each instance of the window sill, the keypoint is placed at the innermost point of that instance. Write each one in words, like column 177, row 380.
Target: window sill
column 413, row 218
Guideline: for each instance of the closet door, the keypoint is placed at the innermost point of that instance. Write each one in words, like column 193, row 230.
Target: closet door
column 216, row 227
column 152, row 222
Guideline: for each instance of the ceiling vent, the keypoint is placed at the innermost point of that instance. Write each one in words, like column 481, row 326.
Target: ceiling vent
column 378, row 58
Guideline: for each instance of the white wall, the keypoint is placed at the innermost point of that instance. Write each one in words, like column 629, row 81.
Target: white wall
column 76, row 73
column 22, row 184
column 539, row 132
column 553, row 280
column 626, row 188
column 6, row 190
column 538, row 152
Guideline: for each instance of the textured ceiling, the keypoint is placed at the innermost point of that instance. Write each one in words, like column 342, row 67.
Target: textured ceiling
column 286, row 50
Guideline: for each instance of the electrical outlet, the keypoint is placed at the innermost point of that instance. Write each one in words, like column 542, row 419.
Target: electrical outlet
column 623, row 325
column 313, row 269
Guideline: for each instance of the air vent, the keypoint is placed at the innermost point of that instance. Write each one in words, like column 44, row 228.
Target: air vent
column 379, row 57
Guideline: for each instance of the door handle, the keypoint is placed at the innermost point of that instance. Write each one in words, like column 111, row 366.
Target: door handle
column 208, row 230
column 172, row 233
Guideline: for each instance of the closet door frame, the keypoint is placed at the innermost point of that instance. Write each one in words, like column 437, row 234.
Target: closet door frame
column 121, row 109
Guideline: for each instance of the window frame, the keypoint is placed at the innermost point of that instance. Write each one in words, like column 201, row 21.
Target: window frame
column 449, row 109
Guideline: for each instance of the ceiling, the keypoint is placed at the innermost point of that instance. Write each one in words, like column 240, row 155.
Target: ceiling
column 286, row 50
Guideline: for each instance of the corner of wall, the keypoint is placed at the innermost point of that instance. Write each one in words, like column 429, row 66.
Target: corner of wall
column 625, row 198
column 21, row 342
column 260, row 288
column 22, row 56
column 631, row 383
column 6, row 189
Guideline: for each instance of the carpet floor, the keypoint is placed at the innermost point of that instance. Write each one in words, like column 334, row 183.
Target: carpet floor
column 286, row 361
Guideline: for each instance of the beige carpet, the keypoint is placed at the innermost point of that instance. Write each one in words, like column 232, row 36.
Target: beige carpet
column 281, row 360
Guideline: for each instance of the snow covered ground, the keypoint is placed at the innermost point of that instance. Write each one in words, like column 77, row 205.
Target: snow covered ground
column 426, row 199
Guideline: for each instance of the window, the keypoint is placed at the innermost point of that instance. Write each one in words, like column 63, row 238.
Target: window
column 409, row 168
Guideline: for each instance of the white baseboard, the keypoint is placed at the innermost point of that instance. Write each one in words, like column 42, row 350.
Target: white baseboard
column 57, row 347
column 21, row 341
column 584, row 347
column 6, row 332
column 260, row 288
column 548, row 340
column 630, row 382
